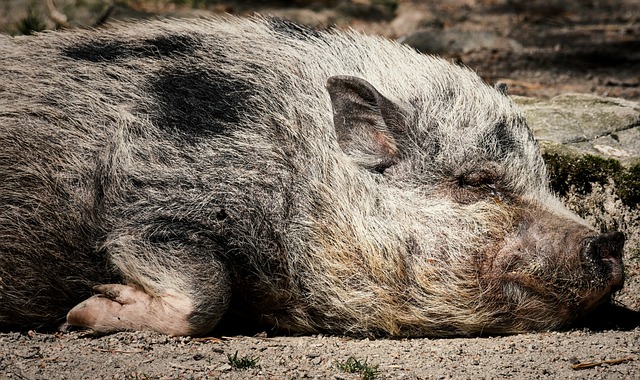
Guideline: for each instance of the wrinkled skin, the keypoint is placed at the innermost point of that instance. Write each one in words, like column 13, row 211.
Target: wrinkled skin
column 533, row 275
column 162, row 175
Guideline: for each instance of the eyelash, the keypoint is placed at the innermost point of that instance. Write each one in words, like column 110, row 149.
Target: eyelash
column 476, row 180
column 475, row 186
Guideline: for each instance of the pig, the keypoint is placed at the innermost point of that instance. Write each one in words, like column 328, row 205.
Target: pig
column 160, row 175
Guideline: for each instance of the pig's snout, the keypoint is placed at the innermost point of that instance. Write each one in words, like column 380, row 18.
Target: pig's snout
column 607, row 248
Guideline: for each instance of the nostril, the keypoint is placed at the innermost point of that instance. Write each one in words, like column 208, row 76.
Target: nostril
column 603, row 246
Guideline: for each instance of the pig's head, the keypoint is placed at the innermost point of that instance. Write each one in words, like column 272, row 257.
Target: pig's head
column 466, row 162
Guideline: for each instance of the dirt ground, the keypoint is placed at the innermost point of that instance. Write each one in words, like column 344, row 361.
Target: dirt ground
column 577, row 354
column 561, row 46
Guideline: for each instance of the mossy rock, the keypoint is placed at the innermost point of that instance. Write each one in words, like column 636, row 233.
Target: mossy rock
column 586, row 124
column 588, row 139
column 580, row 172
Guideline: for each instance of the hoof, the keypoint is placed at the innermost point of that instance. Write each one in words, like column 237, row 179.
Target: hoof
column 125, row 307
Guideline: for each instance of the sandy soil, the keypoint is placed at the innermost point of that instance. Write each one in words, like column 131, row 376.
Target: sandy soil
column 144, row 355
column 594, row 48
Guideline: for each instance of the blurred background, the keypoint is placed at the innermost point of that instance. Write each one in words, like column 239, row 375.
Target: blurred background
column 540, row 48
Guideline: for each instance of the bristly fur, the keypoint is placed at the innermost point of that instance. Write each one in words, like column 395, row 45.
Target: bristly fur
column 200, row 159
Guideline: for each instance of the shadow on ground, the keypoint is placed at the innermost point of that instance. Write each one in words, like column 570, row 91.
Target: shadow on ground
column 610, row 317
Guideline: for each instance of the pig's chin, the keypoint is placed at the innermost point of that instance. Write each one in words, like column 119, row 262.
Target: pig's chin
column 550, row 299
column 601, row 279
column 614, row 281
column 549, row 278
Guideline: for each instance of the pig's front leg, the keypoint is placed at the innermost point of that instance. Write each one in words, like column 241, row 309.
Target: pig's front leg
column 127, row 307
column 175, row 287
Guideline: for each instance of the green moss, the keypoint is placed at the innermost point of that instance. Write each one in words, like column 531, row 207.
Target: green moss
column 566, row 170
column 631, row 190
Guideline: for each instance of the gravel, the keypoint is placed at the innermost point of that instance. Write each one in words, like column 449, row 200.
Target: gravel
column 149, row 355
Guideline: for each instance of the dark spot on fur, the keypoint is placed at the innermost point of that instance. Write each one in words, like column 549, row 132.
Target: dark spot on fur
column 164, row 46
column 429, row 142
column 434, row 146
column 522, row 121
column 117, row 50
column 199, row 102
column 221, row 215
column 292, row 29
column 96, row 51
column 503, row 140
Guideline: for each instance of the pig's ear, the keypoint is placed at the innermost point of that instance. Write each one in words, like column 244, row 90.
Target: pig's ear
column 366, row 122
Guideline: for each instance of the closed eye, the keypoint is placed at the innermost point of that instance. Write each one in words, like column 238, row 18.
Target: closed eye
column 478, row 184
column 477, row 179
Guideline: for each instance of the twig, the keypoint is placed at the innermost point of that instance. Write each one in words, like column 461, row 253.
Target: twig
column 595, row 364
column 113, row 351
column 178, row 366
column 207, row 339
